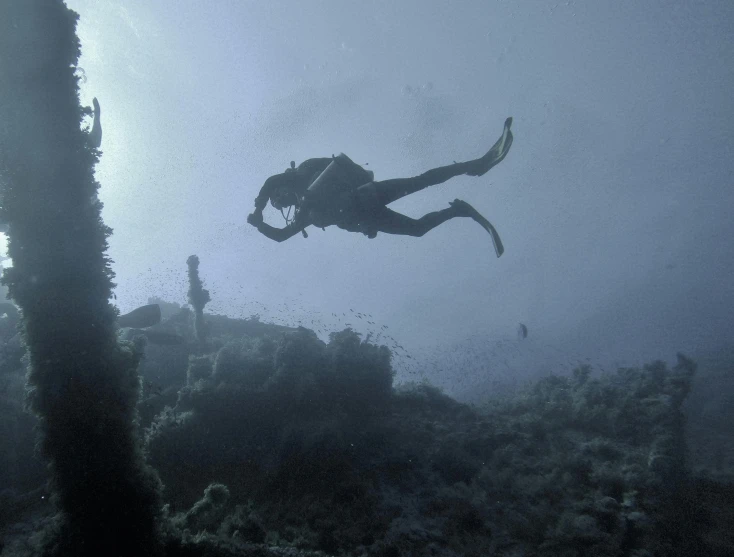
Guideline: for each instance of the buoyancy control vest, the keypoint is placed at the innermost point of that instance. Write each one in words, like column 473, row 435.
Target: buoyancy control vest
column 331, row 192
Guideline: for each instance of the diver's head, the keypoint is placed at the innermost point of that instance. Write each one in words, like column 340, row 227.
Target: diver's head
column 283, row 197
column 283, row 189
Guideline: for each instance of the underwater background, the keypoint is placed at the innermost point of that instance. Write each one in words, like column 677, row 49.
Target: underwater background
column 390, row 396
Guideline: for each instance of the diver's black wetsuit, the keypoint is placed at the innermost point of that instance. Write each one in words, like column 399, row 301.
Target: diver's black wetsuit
column 360, row 210
column 363, row 206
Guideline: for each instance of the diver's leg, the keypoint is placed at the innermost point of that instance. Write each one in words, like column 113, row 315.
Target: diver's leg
column 387, row 191
column 392, row 222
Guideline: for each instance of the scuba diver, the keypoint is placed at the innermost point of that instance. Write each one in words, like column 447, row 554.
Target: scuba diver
column 336, row 191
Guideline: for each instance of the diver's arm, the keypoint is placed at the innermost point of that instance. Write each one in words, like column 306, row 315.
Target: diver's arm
column 256, row 218
column 277, row 234
column 261, row 200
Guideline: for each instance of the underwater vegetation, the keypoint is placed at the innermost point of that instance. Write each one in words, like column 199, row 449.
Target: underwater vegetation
column 276, row 439
column 83, row 383
column 334, row 458
column 204, row 435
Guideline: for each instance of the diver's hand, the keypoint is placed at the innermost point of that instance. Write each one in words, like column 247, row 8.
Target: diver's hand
column 255, row 219
column 95, row 102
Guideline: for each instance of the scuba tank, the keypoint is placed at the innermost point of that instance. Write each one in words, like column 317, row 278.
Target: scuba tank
column 326, row 194
column 341, row 176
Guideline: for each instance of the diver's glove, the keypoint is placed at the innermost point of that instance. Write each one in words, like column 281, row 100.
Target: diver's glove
column 255, row 219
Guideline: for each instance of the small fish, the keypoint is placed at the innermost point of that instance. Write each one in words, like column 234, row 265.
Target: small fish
column 522, row 331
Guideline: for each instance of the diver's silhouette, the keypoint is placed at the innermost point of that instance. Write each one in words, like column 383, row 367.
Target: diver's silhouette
column 337, row 191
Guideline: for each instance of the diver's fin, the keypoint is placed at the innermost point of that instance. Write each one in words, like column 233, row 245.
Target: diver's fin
column 468, row 210
column 495, row 155
column 499, row 249
column 144, row 316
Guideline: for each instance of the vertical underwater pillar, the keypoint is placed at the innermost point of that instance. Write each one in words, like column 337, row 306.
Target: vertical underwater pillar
column 84, row 386
column 198, row 298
